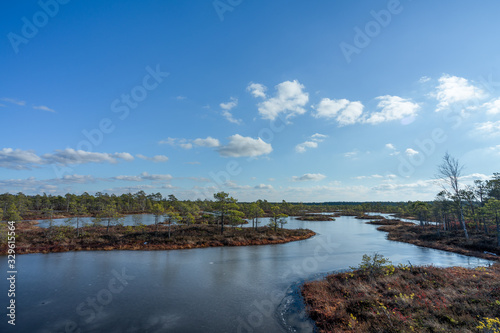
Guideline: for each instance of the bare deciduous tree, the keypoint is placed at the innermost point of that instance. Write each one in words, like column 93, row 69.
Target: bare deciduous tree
column 449, row 173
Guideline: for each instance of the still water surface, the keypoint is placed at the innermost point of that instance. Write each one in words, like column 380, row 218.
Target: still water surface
column 225, row 289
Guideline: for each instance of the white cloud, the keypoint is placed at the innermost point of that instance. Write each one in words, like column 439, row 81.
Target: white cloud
column 183, row 143
column 351, row 154
column 240, row 146
column 492, row 107
column 257, row 89
column 264, row 187
column 318, row 137
column 19, row 159
column 453, row 89
column 424, row 79
column 411, row 152
column 390, row 146
column 143, row 177
column 290, row 100
column 147, row 176
column 309, row 177
column 129, row 178
column 13, row 101
column 227, row 107
column 393, row 108
column 44, row 108
column 343, row 110
column 156, row 158
column 487, row 129
column 208, row 142
column 313, row 143
column 27, row 159
column 72, row 156
column 302, row 147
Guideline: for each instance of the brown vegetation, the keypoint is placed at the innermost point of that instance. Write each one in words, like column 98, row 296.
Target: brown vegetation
column 32, row 239
column 407, row 299
column 434, row 237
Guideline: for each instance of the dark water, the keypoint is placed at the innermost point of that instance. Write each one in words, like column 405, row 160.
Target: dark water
column 231, row 289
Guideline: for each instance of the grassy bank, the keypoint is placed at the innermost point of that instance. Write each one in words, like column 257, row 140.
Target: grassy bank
column 434, row 237
column 32, row 239
column 406, row 299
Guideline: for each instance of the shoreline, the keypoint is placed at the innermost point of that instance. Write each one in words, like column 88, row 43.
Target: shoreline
column 38, row 240
column 411, row 233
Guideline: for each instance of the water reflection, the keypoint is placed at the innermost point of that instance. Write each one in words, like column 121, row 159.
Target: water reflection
column 200, row 290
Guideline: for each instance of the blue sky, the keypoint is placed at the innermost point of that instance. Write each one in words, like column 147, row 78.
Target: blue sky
column 283, row 100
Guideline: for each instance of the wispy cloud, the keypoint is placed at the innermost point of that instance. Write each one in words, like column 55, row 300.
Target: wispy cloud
column 309, row 177
column 226, row 110
column 156, row 158
column 311, row 143
column 13, row 101
column 43, row 108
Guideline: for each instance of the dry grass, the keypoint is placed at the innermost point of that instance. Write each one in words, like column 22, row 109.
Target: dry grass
column 32, row 239
column 406, row 299
column 453, row 241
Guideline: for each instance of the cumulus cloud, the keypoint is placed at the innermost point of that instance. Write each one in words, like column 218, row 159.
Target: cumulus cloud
column 393, row 108
column 156, row 158
column 390, row 146
column 289, row 100
column 309, row 177
column 19, row 159
column 492, row 107
column 208, row 142
column 453, row 89
column 240, row 146
column 312, row 143
column 342, row 110
column 411, row 152
column 226, row 110
column 257, row 90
